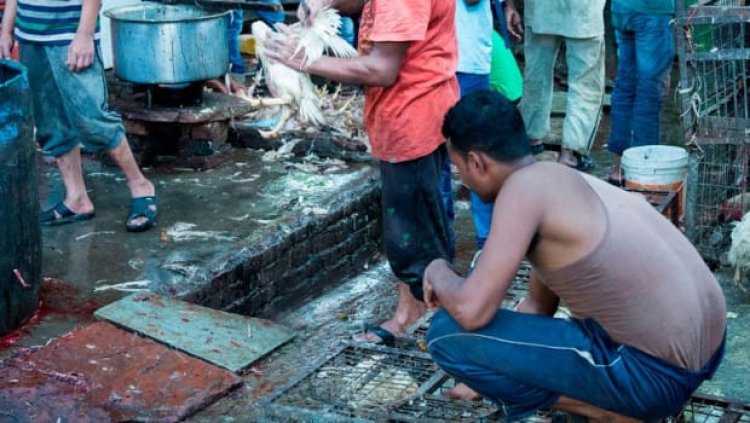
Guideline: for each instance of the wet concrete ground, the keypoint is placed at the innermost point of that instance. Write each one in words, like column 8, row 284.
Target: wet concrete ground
column 233, row 204
column 205, row 219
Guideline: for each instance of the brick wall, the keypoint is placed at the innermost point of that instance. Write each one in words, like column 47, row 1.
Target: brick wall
column 308, row 255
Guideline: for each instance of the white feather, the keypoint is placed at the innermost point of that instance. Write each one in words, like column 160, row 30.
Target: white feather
column 317, row 34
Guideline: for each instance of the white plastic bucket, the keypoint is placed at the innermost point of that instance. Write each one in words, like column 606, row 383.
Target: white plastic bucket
column 657, row 168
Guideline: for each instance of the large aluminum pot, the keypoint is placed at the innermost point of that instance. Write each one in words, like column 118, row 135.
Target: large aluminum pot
column 164, row 44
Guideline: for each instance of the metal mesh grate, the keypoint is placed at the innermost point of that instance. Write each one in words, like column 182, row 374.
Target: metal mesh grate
column 357, row 383
column 717, row 196
column 435, row 408
column 713, row 44
column 704, row 409
column 717, row 62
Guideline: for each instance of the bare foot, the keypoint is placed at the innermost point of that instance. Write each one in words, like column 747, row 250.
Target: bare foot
column 463, row 392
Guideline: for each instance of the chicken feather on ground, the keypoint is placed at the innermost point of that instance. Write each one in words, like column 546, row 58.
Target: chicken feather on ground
column 317, row 35
column 739, row 252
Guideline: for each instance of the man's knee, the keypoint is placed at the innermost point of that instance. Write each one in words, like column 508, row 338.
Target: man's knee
column 441, row 339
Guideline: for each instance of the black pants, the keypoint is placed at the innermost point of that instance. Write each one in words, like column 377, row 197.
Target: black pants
column 415, row 224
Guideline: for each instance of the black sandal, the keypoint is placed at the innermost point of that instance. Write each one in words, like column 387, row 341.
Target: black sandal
column 60, row 214
column 386, row 337
column 141, row 207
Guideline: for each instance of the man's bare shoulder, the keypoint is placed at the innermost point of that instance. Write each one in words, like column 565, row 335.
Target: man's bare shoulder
column 543, row 176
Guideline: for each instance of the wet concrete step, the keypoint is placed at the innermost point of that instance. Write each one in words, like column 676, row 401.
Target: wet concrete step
column 226, row 340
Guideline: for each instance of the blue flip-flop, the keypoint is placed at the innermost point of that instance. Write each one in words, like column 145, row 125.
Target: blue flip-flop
column 60, row 214
column 141, row 207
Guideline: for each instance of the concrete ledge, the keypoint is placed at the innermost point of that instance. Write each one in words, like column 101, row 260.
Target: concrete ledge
column 310, row 254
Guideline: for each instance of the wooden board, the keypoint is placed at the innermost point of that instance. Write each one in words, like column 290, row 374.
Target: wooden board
column 227, row 340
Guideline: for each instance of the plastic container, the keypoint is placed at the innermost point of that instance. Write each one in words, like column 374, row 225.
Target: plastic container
column 20, row 233
column 657, row 168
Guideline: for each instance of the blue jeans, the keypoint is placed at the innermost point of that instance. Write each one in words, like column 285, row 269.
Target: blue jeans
column 346, row 31
column 525, row 362
column 645, row 50
column 481, row 212
column 234, row 29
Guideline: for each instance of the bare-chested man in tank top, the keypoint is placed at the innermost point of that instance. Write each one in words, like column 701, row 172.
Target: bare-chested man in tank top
column 649, row 316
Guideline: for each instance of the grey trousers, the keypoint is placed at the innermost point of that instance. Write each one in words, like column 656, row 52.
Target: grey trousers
column 585, row 61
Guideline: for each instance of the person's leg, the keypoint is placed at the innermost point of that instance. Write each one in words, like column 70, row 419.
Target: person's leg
column 54, row 129
column 234, row 29
column 446, row 193
column 585, row 59
column 100, row 129
column 623, row 97
column 525, row 362
column 541, row 52
column 271, row 18
column 654, row 53
column 346, row 31
column 415, row 230
column 481, row 212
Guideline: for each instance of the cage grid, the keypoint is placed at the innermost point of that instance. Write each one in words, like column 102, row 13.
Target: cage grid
column 358, row 382
column 713, row 46
column 708, row 409
column 717, row 196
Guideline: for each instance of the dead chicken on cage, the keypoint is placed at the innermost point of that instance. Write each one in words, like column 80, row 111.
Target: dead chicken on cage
column 739, row 251
column 293, row 89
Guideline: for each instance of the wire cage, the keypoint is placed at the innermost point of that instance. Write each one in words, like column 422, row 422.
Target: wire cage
column 713, row 45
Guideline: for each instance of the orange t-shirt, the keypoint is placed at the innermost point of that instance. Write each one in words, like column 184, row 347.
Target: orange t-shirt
column 404, row 121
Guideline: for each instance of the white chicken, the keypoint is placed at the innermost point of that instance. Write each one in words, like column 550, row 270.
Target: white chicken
column 316, row 33
column 739, row 252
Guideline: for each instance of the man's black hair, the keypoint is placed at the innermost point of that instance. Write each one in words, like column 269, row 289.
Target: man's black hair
column 487, row 122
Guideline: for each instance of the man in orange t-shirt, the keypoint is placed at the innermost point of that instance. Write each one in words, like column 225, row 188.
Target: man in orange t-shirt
column 407, row 63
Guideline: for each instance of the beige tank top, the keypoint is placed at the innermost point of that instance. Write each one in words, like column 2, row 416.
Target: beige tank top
column 645, row 284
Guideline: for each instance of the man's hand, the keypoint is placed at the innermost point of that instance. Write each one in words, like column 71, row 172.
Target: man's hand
column 283, row 48
column 430, row 273
column 80, row 52
column 514, row 21
column 6, row 45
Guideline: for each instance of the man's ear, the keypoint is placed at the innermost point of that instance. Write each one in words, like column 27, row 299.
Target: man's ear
column 476, row 162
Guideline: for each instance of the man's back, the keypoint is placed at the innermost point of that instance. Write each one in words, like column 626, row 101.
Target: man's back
column 630, row 270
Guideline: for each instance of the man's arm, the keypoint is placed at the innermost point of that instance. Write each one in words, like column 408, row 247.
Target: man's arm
column 377, row 69
column 345, row 7
column 474, row 301
column 6, row 29
column 81, row 50
column 513, row 20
